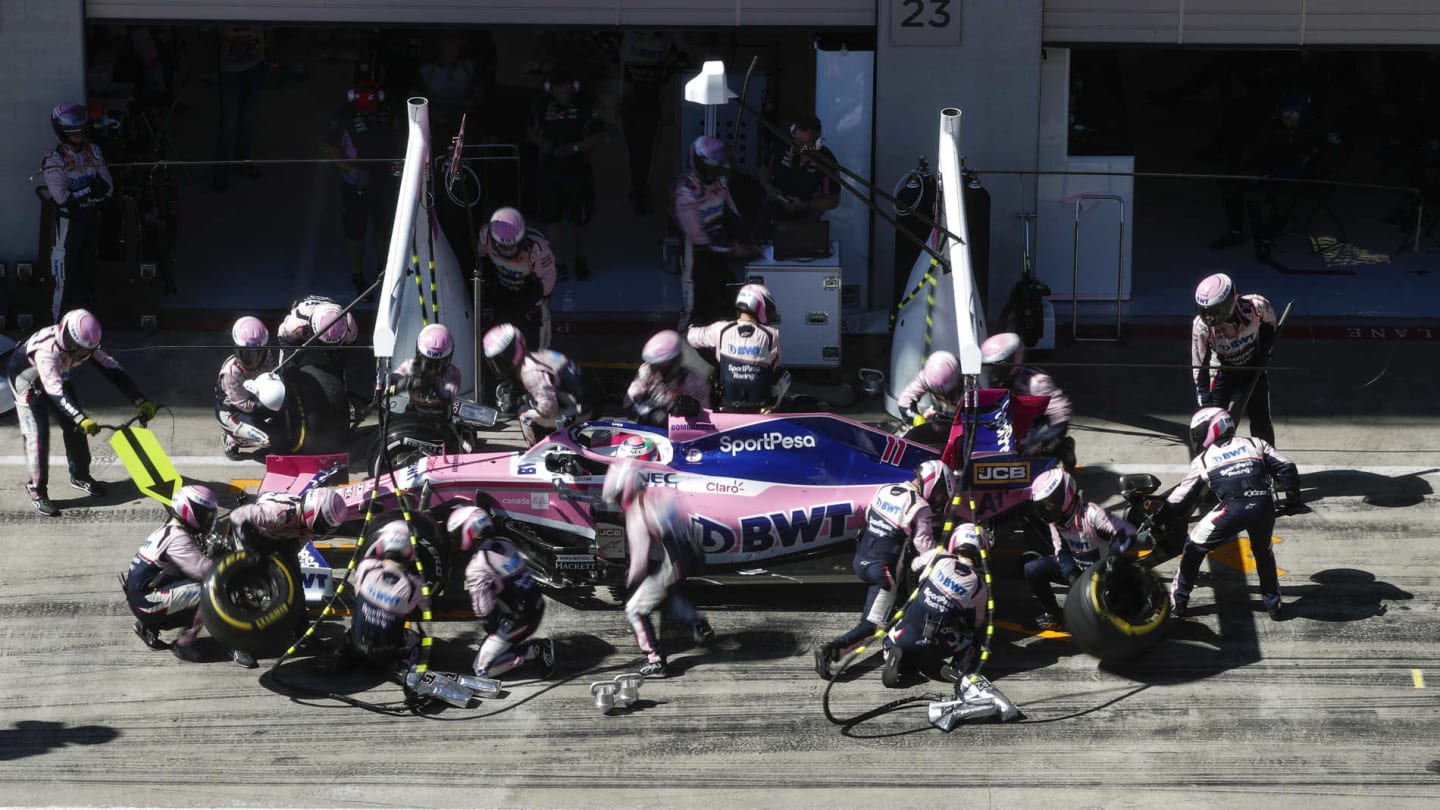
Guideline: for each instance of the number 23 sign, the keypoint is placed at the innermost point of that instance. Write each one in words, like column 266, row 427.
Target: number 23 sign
column 925, row 22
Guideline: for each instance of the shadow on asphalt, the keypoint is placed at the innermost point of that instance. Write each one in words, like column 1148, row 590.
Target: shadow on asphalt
column 1372, row 488
column 1343, row 595
column 28, row 738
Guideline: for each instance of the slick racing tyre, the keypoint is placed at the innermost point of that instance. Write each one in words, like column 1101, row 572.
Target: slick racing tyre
column 408, row 438
column 322, row 408
column 1116, row 609
column 246, row 603
column 432, row 550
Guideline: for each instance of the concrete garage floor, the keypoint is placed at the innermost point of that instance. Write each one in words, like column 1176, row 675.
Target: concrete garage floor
column 1333, row 708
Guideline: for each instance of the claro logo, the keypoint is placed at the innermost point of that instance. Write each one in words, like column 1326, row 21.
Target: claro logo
column 770, row 441
column 1007, row 472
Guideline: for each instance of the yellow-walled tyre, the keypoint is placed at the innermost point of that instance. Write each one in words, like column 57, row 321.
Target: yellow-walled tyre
column 1116, row 609
column 246, row 603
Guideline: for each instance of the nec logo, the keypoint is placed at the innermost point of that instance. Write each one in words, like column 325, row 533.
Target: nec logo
column 1008, row 472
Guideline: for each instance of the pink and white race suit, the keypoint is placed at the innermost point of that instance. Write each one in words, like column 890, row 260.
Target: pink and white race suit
column 1027, row 381
column 299, row 324
column 663, row 552
column 523, row 282
column 387, row 592
column 428, row 394
column 749, row 357
column 556, row 394
column 700, row 212
column 508, row 602
column 236, row 409
column 1235, row 342
column 39, row 378
column 942, row 405
column 652, row 391
column 163, row 583
column 1091, row 530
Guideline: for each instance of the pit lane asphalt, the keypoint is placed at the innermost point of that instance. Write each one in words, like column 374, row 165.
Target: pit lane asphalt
column 1333, row 708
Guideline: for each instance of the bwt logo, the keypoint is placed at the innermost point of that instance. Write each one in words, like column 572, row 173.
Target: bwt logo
column 770, row 441
column 1010, row 472
column 760, row 533
column 738, row 350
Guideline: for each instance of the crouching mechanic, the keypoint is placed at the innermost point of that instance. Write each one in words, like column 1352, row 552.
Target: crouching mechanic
column 505, row 596
column 663, row 382
column 941, row 381
column 1080, row 531
column 241, row 414
column 663, row 552
column 747, row 350
column 281, row 523
column 1240, row 471
column 1004, row 353
column 900, row 514
column 387, row 591
column 163, row 584
column 939, row 634
column 39, row 378
column 431, row 380
column 317, row 315
column 558, row 394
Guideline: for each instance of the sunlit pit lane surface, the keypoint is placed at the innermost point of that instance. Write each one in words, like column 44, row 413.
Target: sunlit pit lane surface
column 1332, row 707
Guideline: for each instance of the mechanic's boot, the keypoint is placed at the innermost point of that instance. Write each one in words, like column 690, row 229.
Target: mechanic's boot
column 704, row 634
column 1179, row 608
column 654, row 669
column 825, row 655
column 890, row 675
column 41, row 501
column 545, row 658
column 88, row 485
column 1049, row 621
column 150, row 637
column 243, row 659
column 950, row 674
column 1278, row 612
column 232, row 449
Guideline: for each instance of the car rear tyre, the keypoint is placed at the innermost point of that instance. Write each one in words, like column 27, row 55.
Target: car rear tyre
column 246, row 603
column 1116, row 609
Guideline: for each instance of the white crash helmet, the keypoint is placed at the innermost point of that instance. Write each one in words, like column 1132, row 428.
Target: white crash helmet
column 269, row 389
column 1005, row 347
column 756, row 300
column 1055, row 495
column 936, row 482
column 1216, row 299
column 504, row 349
column 392, row 542
column 79, row 333
column 323, row 510
column 507, row 231
column 195, row 506
column 942, row 372
column 1211, row 426
column 968, row 540
column 249, row 336
column 471, row 525
column 662, row 352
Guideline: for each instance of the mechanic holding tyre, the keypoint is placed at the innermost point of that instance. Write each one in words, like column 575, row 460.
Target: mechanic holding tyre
column 163, row 584
column 1080, row 530
column 1240, row 471
column 663, row 553
column 39, row 379
column 281, row 523
column 900, row 514
column 243, row 417
column 506, row 598
column 747, row 350
column 938, row 634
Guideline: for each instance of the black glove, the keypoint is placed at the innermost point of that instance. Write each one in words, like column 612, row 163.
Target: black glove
column 1160, row 514
column 685, row 406
column 1292, row 505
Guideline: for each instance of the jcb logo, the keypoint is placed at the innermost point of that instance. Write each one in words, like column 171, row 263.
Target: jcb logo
column 1002, row 473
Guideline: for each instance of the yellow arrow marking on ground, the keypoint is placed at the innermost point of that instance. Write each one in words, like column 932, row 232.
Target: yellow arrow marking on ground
column 1238, row 555
column 146, row 462
column 1015, row 627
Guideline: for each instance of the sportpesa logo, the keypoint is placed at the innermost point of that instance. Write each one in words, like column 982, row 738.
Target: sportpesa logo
column 770, row 441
